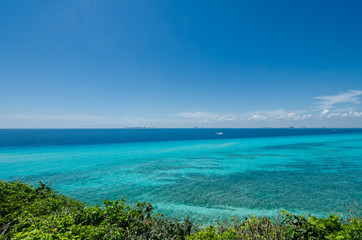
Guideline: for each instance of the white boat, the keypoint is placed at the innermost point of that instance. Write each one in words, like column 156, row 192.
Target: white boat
column 219, row 133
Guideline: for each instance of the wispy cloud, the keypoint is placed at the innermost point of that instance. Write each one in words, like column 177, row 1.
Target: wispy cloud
column 257, row 117
column 328, row 114
column 207, row 116
column 350, row 96
column 279, row 114
column 346, row 115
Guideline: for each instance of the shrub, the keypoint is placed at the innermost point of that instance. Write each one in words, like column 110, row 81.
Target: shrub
column 28, row 212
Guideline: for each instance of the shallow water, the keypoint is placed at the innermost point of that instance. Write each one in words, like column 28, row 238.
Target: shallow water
column 314, row 173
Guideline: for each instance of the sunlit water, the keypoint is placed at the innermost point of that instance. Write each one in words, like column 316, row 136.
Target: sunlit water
column 217, row 178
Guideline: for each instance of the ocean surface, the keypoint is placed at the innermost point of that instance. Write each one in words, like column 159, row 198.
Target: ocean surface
column 194, row 172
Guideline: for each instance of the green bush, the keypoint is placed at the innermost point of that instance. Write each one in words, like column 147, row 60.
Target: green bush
column 291, row 227
column 28, row 212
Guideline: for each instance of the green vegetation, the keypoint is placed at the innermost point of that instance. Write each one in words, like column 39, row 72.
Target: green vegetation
column 28, row 212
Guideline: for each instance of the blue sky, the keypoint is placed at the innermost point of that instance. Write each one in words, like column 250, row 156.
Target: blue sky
column 109, row 64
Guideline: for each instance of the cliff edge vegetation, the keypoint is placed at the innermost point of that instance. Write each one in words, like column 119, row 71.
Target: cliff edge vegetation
column 40, row 212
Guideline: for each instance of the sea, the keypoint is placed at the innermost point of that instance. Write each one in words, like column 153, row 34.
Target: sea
column 206, row 174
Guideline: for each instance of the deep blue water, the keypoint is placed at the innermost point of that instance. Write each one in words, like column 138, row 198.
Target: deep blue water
column 43, row 137
column 194, row 171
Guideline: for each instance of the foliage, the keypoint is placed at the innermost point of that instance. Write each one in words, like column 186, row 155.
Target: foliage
column 291, row 227
column 28, row 212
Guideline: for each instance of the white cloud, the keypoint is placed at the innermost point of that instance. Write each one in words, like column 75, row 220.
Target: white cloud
column 350, row 96
column 279, row 114
column 328, row 114
column 303, row 117
column 344, row 115
column 207, row 116
column 257, row 117
column 324, row 112
column 197, row 115
column 355, row 114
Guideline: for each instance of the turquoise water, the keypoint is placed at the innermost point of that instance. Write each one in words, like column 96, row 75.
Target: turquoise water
column 217, row 178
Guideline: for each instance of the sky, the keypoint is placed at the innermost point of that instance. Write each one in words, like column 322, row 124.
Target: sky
column 175, row 64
